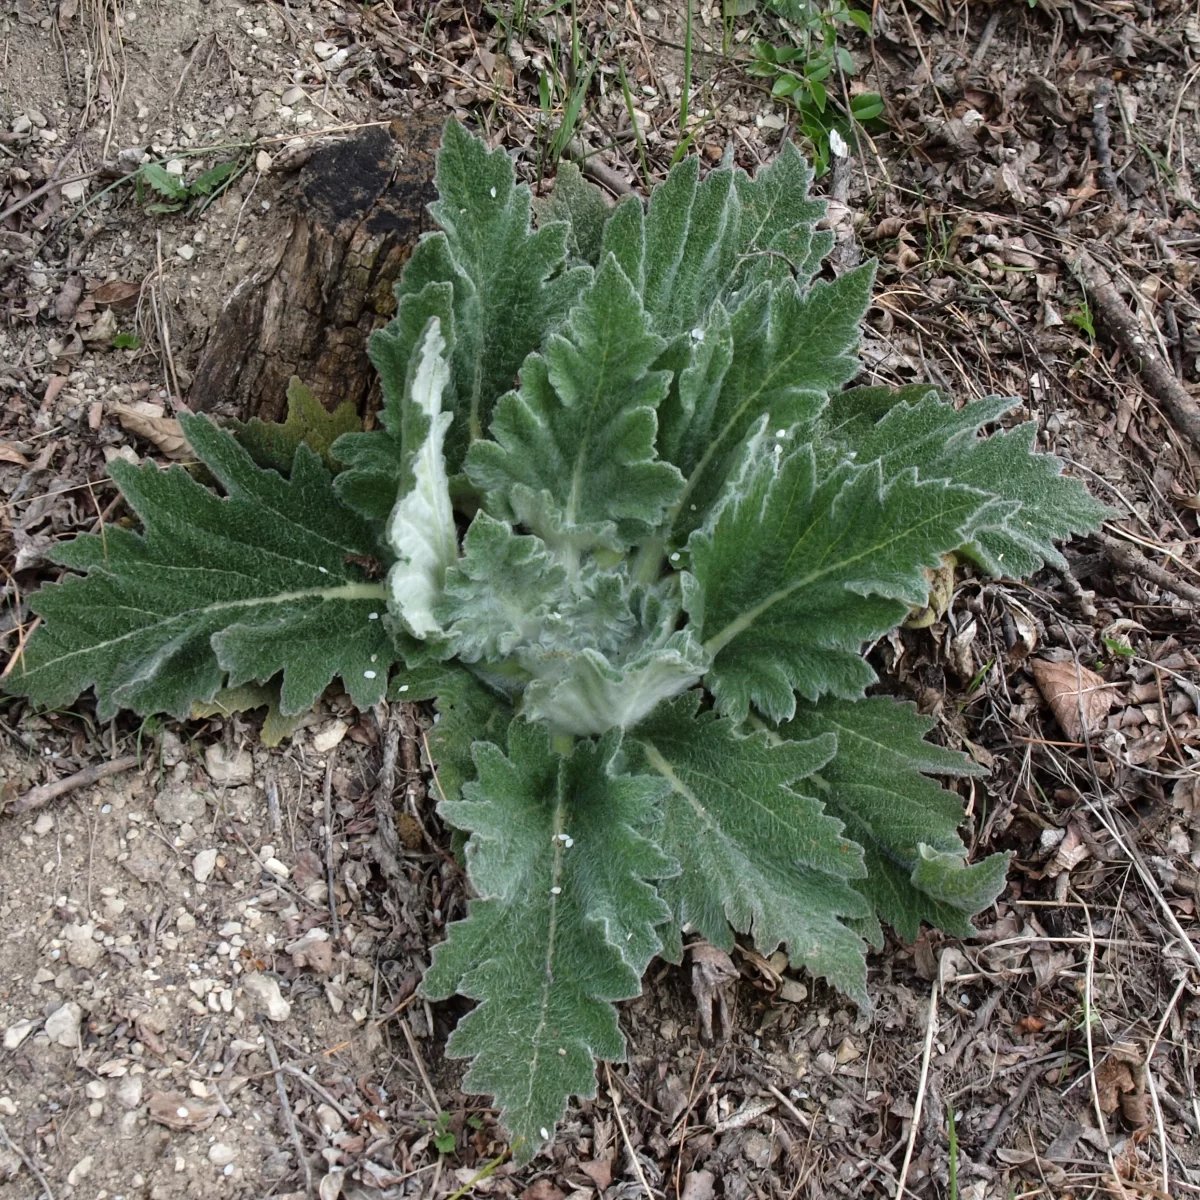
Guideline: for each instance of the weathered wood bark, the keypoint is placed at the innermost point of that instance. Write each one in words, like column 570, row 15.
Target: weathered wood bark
column 360, row 207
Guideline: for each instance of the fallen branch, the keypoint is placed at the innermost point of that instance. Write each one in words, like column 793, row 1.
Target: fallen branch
column 1126, row 330
column 46, row 792
column 1136, row 563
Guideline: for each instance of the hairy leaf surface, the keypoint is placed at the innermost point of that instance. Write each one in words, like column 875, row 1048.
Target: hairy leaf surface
column 1036, row 504
column 214, row 592
column 755, row 853
column 564, row 924
column 907, row 824
column 511, row 284
column 797, row 571
column 273, row 443
column 574, row 448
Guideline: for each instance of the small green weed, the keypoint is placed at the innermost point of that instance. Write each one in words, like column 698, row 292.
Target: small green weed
column 127, row 341
column 1081, row 318
column 801, row 71
column 443, row 1139
column 178, row 194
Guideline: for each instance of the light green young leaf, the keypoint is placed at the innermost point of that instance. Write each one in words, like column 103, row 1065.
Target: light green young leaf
column 574, row 448
column 247, row 698
column 755, row 853
column 564, row 924
column 421, row 528
column 906, row 823
column 214, row 591
column 796, row 572
column 586, row 693
column 1035, row 503
column 511, row 284
column 273, row 444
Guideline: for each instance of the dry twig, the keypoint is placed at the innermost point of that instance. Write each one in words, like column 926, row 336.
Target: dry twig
column 44, row 793
column 918, row 1103
column 1130, row 560
column 289, row 1120
column 1126, row 330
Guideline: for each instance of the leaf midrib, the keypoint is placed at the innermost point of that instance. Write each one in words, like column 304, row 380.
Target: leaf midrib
column 349, row 591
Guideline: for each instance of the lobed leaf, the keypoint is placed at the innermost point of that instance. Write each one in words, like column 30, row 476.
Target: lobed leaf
column 913, row 428
column 214, row 592
column 273, row 443
column 755, row 852
column 564, row 924
column 573, row 455
column 796, row 572
column 906, row 823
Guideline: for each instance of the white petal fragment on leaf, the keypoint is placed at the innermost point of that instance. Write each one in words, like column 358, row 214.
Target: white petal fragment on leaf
column 421, row 527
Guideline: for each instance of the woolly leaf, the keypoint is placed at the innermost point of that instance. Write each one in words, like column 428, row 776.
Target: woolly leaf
column 273, row 444
column 582, row 206
column 797, row 571
column 511, row 285
column 755, row 853
column 421, row 529
column 574, row 448
column 786, row 352
column 214, row 591
column 1035, row 502
column 564, row 923
column 906, row 823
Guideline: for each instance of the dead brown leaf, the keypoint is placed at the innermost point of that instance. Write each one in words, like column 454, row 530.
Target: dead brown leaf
column 1078, row 698
column 117, row 293
column 177, row 1111
column 10, row 454
column 67, row 300
column 543, row 1189
column 148, row 421
column 599, row 1171
column 1113, row 1079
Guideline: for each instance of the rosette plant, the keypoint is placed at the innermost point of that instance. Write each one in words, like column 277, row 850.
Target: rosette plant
column 637, row 533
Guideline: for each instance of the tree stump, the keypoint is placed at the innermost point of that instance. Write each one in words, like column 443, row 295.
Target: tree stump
column 309, row 312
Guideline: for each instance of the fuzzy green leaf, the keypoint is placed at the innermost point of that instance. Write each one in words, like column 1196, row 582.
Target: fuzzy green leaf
column 755, row 853
column 582, row 206
column 247, row 698
column 786, row 351
column 1035, row 503
column 797, row 571
column 574, row 449
column 273, row 443
column 907, row 824
column 564, row 924
column 511, row 285
column 214, row 592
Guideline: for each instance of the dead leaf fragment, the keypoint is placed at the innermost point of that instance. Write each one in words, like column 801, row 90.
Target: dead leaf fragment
column 1078, row 698
column 67, row 301
column 163, row 432
column 184, row 1113
column 10, row 454
column 118, row 293
column 599, row 1171
column 543, row 1189
column 1113, row 1080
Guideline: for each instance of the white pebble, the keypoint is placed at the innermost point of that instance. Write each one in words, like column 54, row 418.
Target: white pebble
column 368, row 674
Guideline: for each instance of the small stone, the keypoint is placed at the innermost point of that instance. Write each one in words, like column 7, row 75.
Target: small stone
column 43, row 825
column 225, row 766
column 17, row 1032
column 221, row 1155
column 187, row 253
column 95, row 1110
column 847, row 1052
column 793, row 991
column 175, row 167
column 292, row 96
column 324, row 50
column 62, row 1026
column 203, row 865
column 81, row 1170
column 185, row 923
column 129, row 1092
column 265, row 992
column 75, row 191
column 95, row 1089
column 82, row 950
column 329, row 1119
column 241, row 245
column 276, row 868
column 263, row 107
column 329, row 736
column 8, row 1106
column 37, row 118
column 21, row 124
column 262, row 162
